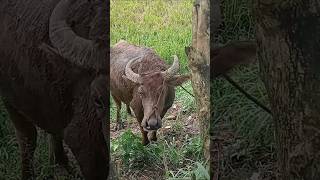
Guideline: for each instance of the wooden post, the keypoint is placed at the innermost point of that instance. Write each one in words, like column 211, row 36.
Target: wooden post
column 199, row 57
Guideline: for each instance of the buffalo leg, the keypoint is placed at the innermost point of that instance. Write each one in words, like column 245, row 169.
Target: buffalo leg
column 119, row 124
column 144, row 133
column 57, row 153
column 27, row 138
column 137, row 109
column 129, row 111
column 145, row 139
column 90, row 149
column 152, row 136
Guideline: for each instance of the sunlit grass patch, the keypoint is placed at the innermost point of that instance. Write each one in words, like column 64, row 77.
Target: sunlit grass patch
column 164, row 26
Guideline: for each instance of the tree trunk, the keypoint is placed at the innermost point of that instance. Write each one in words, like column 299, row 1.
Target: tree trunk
column 199, row 54
column 288, row 35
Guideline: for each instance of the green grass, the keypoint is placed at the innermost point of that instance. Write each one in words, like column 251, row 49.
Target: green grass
column 243, row 115
column 170, row 160
column 10, row 154
column 237, row 22
column 164, row 26
column 8, row 148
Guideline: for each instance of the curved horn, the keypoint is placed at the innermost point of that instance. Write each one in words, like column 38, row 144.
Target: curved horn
column 129, row 73
column 174, row 69
column 70, row 46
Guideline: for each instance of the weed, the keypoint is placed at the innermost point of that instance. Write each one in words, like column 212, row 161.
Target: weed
column 168, row 158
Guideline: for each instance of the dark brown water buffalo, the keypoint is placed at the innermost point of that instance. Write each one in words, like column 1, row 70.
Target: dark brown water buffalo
column 54, row 75
column 141, row 79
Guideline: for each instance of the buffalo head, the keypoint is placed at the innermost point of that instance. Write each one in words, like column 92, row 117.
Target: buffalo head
column 86, row 53
column 155, row 91
column 87, row 133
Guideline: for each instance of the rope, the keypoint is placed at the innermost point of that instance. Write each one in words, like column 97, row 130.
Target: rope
column 246, row 94
column 186, row 91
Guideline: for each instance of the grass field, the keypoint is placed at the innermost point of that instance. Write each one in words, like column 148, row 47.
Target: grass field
column 164, row 26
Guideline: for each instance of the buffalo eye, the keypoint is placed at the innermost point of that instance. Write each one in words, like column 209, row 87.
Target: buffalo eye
column 99, row 103
column 140, row 91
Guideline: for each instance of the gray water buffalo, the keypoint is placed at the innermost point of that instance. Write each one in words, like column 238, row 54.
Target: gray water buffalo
column 141, row 79
column 54, row 75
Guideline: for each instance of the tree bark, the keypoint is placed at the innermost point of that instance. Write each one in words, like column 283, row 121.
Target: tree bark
column 288, row 35
column 199, row 54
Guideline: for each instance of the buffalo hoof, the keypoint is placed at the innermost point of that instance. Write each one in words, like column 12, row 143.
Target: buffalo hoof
column 71, row 171
column 152, row 136
column 132, row 115
column 130, row 112
column 60, row 171
column 145, row 142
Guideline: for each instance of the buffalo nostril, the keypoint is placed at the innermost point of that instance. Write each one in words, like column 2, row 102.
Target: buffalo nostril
column 153, row 125
column 144, row 124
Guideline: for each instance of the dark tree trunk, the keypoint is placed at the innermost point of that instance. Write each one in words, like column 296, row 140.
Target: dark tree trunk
column 199, row 54
column 288, row 35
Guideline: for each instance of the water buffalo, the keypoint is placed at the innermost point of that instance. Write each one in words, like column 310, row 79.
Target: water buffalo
column 54, row 75
column 141, row 79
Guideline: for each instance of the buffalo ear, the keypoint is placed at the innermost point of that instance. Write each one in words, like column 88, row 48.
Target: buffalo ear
column 178, row 80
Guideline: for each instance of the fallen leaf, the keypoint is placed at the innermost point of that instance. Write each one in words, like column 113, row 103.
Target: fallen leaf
column 171, row 117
